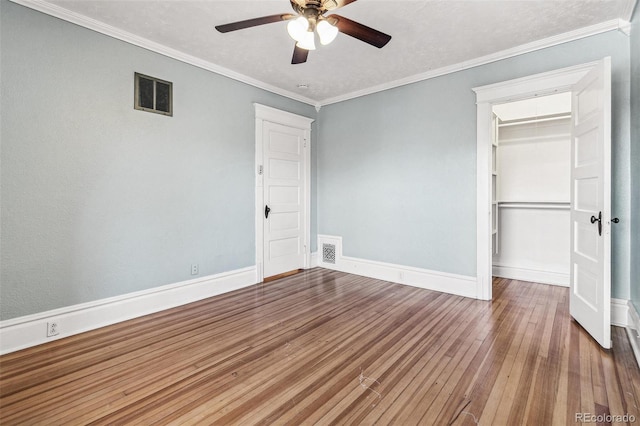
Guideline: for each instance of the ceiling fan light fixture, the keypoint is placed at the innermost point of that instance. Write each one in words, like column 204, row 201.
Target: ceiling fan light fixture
column 326, row 32
column 307, row 42
column 309, row 19
column 298, row 28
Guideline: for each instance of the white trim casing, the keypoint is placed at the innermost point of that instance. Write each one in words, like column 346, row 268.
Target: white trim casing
column 459, row 285
column 313, row 263
column 285, row 118
column 483, row 202
column 265, row 113
column 30, row 330
column 547, row 83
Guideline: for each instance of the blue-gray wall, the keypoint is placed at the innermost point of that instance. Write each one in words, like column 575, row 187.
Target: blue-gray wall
column 396, row 169
column 99, row 199
column 635, row 158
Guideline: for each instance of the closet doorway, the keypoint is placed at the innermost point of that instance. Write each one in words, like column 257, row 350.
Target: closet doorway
column 590, row 183
column 531, row 194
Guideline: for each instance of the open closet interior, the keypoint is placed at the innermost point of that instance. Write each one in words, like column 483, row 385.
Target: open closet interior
column 531, row 189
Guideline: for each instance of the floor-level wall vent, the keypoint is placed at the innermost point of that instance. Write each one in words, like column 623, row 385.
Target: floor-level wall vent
column 328, row 253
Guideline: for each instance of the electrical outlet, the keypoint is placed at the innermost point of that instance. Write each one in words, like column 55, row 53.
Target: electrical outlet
column 194, row 269
column 53, row 329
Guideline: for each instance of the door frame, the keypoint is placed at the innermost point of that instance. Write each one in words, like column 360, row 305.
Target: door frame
column 548, row 83
column 265, row 113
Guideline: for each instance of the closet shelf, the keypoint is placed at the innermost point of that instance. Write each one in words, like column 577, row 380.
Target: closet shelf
column 565, row 205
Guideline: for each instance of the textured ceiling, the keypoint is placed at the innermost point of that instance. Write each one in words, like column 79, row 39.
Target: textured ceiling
column 427, row 35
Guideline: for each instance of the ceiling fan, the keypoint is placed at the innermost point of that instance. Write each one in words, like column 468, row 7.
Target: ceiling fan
column 309, row 20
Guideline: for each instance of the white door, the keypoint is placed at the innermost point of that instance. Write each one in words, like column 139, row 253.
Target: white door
column 283, row 160
column 591, row 203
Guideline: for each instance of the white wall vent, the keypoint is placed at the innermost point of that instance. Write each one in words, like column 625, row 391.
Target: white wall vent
column 328, row 253
column 331, row 255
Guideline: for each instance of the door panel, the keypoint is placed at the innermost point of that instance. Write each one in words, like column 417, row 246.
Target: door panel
column 283, row 142
column 283, row 248
column 590, row 298
column 283, row 169
column 284, row 221
column 283, row 185
column 587, row 148
column 586, row 198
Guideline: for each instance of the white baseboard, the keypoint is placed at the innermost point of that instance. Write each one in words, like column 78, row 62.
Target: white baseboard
column 633, row 330
column 620, row 312
column 634, row 317
column 634, row 340
column 30, row 330
column 460, row 285
column 532, row 275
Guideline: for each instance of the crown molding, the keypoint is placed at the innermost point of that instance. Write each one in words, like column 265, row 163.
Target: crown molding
column 625, row 28
column 111, row 31
column 100, row 27
column 614, row 24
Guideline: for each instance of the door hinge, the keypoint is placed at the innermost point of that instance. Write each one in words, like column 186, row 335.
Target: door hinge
column 260, row 170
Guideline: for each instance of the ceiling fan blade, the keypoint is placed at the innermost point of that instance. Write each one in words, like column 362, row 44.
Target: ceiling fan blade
column 299, row 55
column 359, row 31
column 240, row 25
column 335, row 4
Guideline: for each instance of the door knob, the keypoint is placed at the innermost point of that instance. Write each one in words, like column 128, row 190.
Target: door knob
column 266, row 212
column 599, row 220
column 615, row 220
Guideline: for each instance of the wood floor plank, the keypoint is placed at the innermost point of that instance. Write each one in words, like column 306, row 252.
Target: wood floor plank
column 628, row 376
column 368, row 379
column 326, row 347
column 529, row 362
column 406, row 375
column 479, row 372
column 244, row 367
column 422, row 358
column 358, row 366
column 307, row 382
column 501, row 395
column 586, row 370
column 492, row 355
column 548, row 375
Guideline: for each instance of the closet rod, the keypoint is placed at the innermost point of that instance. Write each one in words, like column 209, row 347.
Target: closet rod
column 541, row 205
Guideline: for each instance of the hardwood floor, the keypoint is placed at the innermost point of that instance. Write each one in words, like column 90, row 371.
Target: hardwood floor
column 325, row 347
